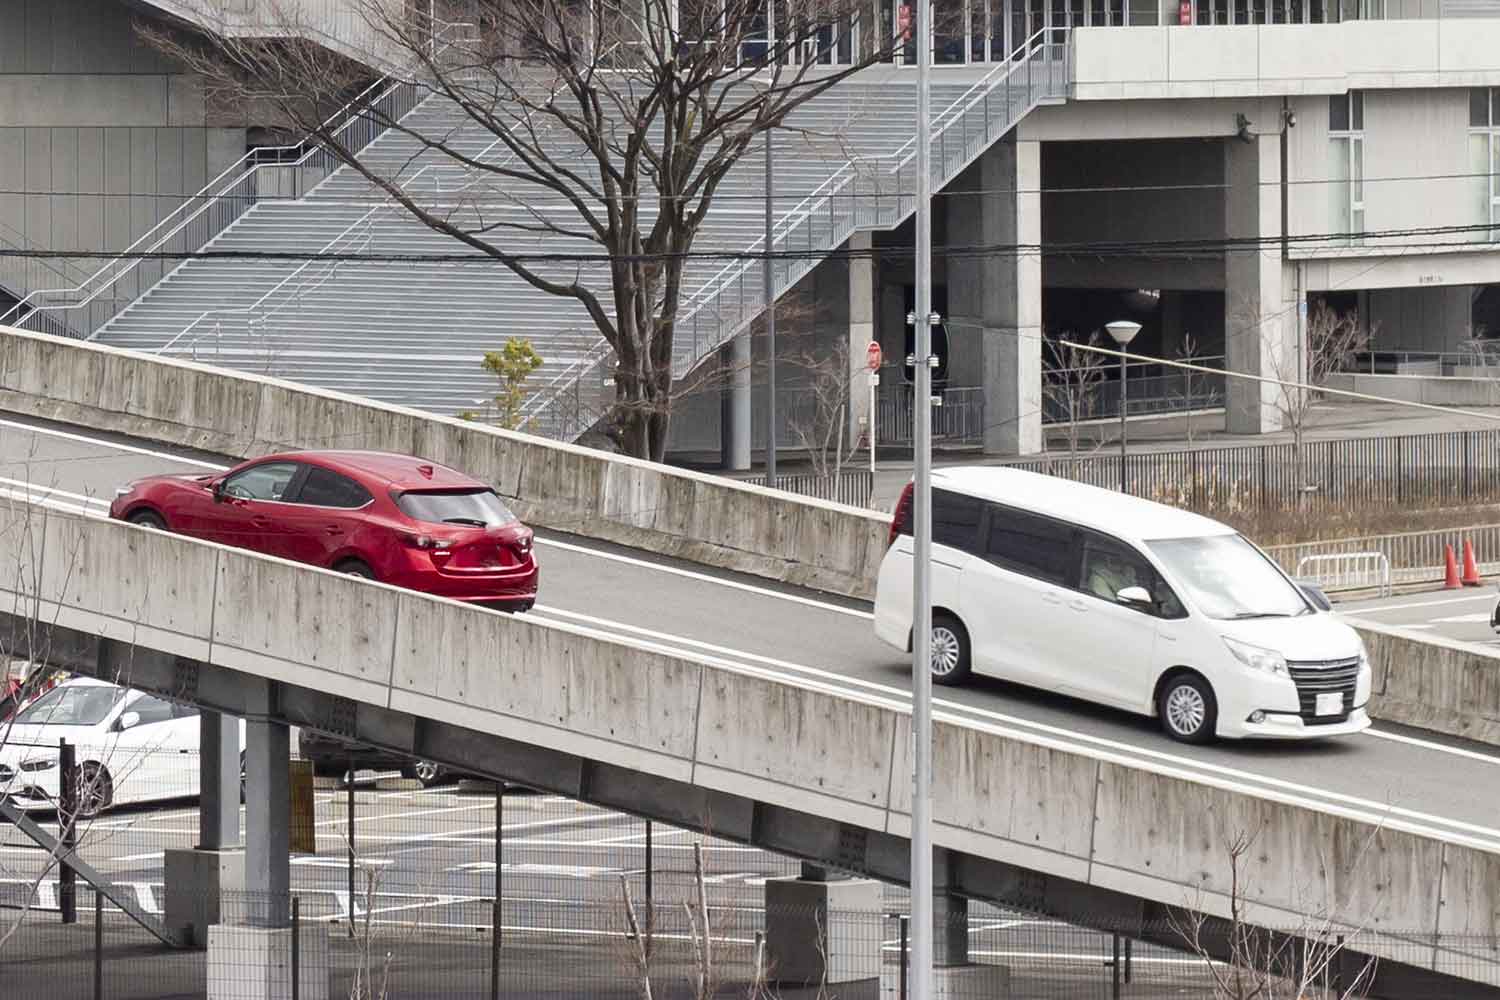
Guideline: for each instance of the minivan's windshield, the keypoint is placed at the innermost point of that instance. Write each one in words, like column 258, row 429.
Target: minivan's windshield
column 479, row 508
column 1228, row 578
column 83, row 705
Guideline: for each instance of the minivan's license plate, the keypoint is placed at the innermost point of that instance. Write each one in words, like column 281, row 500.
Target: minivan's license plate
column 1329, row 704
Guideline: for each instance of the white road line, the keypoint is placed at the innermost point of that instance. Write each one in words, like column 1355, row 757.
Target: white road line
column 1463, row 619
column 707, row 578
column 1357, row 612
column 114, row 445
column 49, row 491
column 148, row 856
column 1383, row 734
column 1206, row 768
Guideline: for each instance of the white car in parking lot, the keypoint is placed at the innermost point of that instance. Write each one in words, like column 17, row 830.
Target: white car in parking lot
column 130, row 747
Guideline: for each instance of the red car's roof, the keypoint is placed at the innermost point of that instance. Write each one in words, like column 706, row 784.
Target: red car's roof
column 399, row 471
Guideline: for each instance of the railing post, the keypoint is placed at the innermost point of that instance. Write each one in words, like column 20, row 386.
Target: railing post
column 67, row 821
column 98, row 945
column 296, row 948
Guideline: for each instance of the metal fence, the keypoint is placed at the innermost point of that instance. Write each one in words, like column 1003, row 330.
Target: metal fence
column 1417, row 469
column 850, row 486
column 1411, row 557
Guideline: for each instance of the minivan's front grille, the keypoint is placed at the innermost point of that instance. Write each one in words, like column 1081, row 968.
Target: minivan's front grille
column 1315, row 677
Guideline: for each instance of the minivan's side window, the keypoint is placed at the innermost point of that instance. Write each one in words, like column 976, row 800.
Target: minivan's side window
column 955, row 520
column 1110, row 566
column 323, row 488
column 1030, row 544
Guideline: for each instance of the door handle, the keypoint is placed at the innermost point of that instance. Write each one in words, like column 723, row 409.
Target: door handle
column 334, row 529
column 1078, row 605
column 1051, row 598
column 260, row 521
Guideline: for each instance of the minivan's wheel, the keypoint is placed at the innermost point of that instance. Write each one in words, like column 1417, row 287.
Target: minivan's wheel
column 1187, row 707
column 148, row 519
column 95, row 790
column 430, row 774
column 950, row 650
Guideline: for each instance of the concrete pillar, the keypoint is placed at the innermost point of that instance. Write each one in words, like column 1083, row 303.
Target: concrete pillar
column 1260, row 314
column 267, row 815
column 734, row 405
column 995, row 301
column 824, row 930
column 250, row 950
column 861, row 330
column 196, row 880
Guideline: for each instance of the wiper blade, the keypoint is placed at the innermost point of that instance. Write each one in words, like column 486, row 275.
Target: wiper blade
column 1247, row 615
column 464, row 520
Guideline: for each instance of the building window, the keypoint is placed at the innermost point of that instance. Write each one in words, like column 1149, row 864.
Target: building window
column 1484, row 157
column 1346, row 132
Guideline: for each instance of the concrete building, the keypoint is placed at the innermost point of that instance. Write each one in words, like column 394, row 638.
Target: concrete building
column 1207, row 168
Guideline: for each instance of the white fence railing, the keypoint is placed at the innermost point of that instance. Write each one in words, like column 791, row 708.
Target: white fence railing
column 1409, row 557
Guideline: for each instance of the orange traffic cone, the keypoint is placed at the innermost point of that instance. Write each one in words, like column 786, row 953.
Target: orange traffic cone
column 1471, row 570
column 1450, row 576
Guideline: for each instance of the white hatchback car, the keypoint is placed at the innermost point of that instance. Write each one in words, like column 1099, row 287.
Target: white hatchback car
column 1122, row 601
column 131, row 747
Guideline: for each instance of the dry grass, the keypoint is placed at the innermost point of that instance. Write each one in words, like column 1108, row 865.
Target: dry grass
column 1321, row 522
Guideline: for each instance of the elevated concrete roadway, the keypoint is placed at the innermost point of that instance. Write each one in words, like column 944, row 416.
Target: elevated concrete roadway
column 813, row 764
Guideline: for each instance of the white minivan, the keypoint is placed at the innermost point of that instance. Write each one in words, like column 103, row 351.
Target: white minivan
column 1119, row 600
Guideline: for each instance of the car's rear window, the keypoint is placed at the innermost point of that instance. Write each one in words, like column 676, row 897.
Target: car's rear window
column 481, row 508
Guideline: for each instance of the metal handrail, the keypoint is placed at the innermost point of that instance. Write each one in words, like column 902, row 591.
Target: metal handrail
column 207, row 200
column 252, row 307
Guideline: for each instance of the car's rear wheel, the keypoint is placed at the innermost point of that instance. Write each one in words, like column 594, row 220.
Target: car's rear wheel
column 950, row 650
column 430, row 773
column 354, row 567
column 148, row 519
column 1187, row 707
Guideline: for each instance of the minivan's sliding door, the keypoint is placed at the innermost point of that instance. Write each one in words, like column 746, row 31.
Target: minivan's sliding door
column 1110, row 646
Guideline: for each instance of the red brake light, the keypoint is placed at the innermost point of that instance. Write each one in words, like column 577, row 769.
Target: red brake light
column 426, row 542
column 901, row 517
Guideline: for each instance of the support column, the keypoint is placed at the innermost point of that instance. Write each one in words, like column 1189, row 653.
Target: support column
column 250, row 952
column 861, row 330
column 734, row 405
column 823, row 928
column 953, row 974
column 995, row 302
column 1260, row 312
column 197, row 879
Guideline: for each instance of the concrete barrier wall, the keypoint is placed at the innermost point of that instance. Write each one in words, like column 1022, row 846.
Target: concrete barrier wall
column 1433, row 683
column 1435, row 390
column 1125, row 824
column 701, row 517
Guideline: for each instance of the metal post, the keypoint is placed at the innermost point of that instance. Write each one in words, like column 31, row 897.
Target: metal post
column 921, row 720
column 770, row 296
column 1124, row 398
column 874, row 381
column 901, row 921
column 98, row 945
column 1128, row 961
column 1114, row 966
column 296, row 948
column 650, row 892
column 349, row 799
column 67, row 830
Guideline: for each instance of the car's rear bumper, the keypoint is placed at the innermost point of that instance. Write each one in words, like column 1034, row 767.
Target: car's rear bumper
column 504, row 591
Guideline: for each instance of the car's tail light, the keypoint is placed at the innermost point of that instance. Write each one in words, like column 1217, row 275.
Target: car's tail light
column 522, row 545
column 901, row 518
column 426, row 542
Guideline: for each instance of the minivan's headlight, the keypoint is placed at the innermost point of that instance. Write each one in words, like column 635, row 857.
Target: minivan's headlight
column 39, row 764
column 1257, row 658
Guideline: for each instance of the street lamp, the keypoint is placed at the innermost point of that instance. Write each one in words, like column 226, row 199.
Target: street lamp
column 1123, row 331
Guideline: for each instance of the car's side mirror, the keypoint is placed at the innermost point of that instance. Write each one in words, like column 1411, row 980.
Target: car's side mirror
column 217, row 489
column 1315, row 594
column 1135, row 596
column 129, row 721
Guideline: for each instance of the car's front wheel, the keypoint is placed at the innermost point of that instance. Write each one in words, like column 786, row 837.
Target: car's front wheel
column 950, row 650
column 430, row 773
column 148, row 519
column 1187, row 707
column 96, row 790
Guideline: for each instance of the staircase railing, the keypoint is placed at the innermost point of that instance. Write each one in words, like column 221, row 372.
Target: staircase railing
column 865, row 193
column 86, row 307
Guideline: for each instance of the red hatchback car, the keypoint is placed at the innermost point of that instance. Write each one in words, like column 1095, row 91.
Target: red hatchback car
column 392, row 518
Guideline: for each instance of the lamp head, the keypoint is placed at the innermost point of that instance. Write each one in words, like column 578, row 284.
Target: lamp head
column 1123, row 331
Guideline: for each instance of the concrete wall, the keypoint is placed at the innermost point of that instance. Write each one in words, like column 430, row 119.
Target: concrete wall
column 1265, row 60
column 553, row 485
column 1433, row 683
column 1142, row 829
column 1435, row 390
column 102, row 136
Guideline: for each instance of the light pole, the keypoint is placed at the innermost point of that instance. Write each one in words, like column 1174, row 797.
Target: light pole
column 1123, row 331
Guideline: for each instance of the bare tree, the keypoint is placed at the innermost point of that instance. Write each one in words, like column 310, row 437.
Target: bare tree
column 1071, row 378
column 820, row 420
column 615, row 123
column 1332, row 340
column 1189, row 352
column 1263, row 964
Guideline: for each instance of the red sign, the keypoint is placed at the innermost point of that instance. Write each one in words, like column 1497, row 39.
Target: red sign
column 872, row 356
column 1184, row 12
column 903, row 22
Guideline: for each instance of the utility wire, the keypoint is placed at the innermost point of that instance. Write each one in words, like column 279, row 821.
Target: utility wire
column 1355, row 241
